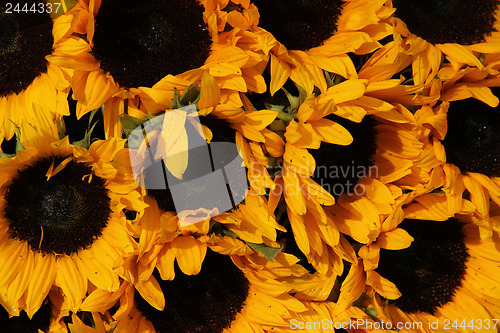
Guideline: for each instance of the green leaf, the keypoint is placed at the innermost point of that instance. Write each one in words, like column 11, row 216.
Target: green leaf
column 59, row 7
column 269, row 252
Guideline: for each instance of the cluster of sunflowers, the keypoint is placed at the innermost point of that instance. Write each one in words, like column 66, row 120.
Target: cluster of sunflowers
column 365, row 129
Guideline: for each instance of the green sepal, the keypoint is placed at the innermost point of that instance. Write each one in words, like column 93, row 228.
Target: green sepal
column 19, row 146
column 294, row 101
column 130, row 123
column 176, row 103
column 274, row 107
column 278, row 126
column 329, row 80
column 371, row 312
column 481, row 57
column 87, row 139
column 57, row 6
column 228, row 233
column 438, row 191
column 191, row 95
column 332, row 79
column 286, row 117
column 61, row 129
column 269, row 252
column 302, row 93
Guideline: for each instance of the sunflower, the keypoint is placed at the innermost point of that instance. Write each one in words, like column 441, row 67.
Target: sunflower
column 346, row 148
column 32, row 89
column 159, row 57
column 447, row 276
column 242, row 131
column 304, row 125
column 172, row 259
column 383, row 67
column 462, row 148
column 430, row 31
column 231, row 293
column 239, row 14
column 304, row 39
column 62, row 219
column 164, row 240
column 469, row 82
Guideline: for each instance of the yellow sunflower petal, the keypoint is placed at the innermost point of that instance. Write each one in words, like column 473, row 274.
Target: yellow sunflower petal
column 96, row 272
column 71, row 281
column 478, row 195
column 45, row 269
column 332, row 132
column 189, row 253
column 12, row 257
column 280, row 72
column 293, row 192
column 461, row 54
column 382, row 286
column 22, row 280
column 395, row 239
column 151, row 291
column 345, row 91
column 209, row 92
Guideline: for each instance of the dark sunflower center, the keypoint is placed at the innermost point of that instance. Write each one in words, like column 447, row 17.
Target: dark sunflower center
column 10, row 33
column 62, row 215
column 140, row 42
column 25, row 40
column 429, row 271
column 300, row 24
column 206, row 302
column 448, row 21
column 472, row 139
column 339, row 168
column 23, row 324
column 200, row 163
